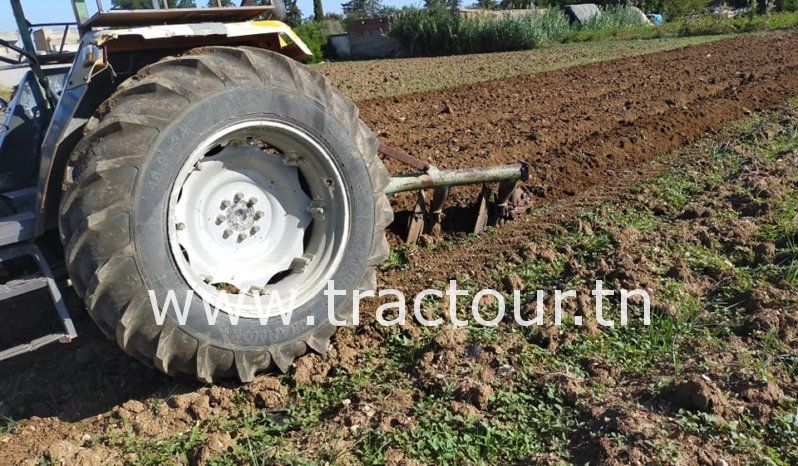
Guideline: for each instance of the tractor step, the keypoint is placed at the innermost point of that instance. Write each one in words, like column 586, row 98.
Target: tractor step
column 20, row 225
column 23, row 285
column 20, row 287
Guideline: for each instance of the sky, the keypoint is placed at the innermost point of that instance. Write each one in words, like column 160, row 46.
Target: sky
column 49, row 11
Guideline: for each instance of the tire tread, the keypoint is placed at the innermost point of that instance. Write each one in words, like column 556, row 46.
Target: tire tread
column 96, row 195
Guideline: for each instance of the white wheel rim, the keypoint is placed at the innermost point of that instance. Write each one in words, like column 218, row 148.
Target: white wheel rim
column 258, row 217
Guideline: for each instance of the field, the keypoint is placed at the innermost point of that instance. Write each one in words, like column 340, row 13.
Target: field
column 384, row 78
column 5, row 92
column 668, row 165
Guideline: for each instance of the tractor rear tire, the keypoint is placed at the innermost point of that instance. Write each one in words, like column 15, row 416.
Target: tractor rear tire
column 116, row 214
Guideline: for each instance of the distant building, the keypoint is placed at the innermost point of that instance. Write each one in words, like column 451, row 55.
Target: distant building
column 366, row 38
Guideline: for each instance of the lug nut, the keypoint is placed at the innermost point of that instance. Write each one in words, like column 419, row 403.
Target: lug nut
column 227, row 233
column 238, row 197
column 255, row 229
column 316, row 208
column 180, row 226
column 242, row 237
column 220, row 218
column 225, row 204
column 252, row 201
column 259, row 215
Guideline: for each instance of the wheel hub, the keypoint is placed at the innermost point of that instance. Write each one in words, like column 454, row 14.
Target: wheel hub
column 260, row 208
column 241, row 218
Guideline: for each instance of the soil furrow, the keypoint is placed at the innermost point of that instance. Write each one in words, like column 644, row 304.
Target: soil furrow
column 633, row 111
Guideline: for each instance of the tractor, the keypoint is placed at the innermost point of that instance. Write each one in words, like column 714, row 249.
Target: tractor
column 189, row 153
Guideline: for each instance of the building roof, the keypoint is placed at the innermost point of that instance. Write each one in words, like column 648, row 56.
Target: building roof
column 369, row 24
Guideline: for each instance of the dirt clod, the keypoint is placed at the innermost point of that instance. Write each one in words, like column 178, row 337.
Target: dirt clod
column 475, row 393
column 765, row 252
column 698, row 392
column 513, row 282
column 268, row 393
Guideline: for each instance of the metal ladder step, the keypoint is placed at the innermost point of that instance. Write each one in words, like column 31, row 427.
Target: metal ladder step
column 17, row 228
column 33, row 345
column 21, row 286
column 24, row 285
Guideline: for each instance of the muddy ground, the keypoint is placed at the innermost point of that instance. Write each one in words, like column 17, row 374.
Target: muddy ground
column 640, row 179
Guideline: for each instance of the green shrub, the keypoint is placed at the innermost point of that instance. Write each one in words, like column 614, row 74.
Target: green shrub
column 439, row 31
column 316, row 35
column 614, row 17
column 708, row 25
column 312, row 34
column 683, row 8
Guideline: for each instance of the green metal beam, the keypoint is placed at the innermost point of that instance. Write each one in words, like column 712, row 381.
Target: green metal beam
column 23, row 27
column 435, row 178
column 46, row 100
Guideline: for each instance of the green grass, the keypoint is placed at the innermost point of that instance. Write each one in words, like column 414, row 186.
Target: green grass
column 437, row 31
column 528, row 415
column 7, row 425
column 523, row 423
column 689, row 27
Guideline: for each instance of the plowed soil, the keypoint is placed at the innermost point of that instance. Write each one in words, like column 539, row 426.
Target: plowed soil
column 587, row 131
column 579, row 126
column 370, row 79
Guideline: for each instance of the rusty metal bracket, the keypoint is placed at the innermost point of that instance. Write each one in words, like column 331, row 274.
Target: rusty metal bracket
column 402, row 156
column 417, row 220
column 435, row 215
column 518, row 203
column 482, row 214
column 511, row 201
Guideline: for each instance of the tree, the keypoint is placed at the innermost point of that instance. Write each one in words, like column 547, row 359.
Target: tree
column 225, row 3
column 486, row 5
column 448, row 4
column 318, row 10
column 360, row 9
column 682, row 8
column 515, row 4
column 293, row 15
column 131, row 4
column 147, row 4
